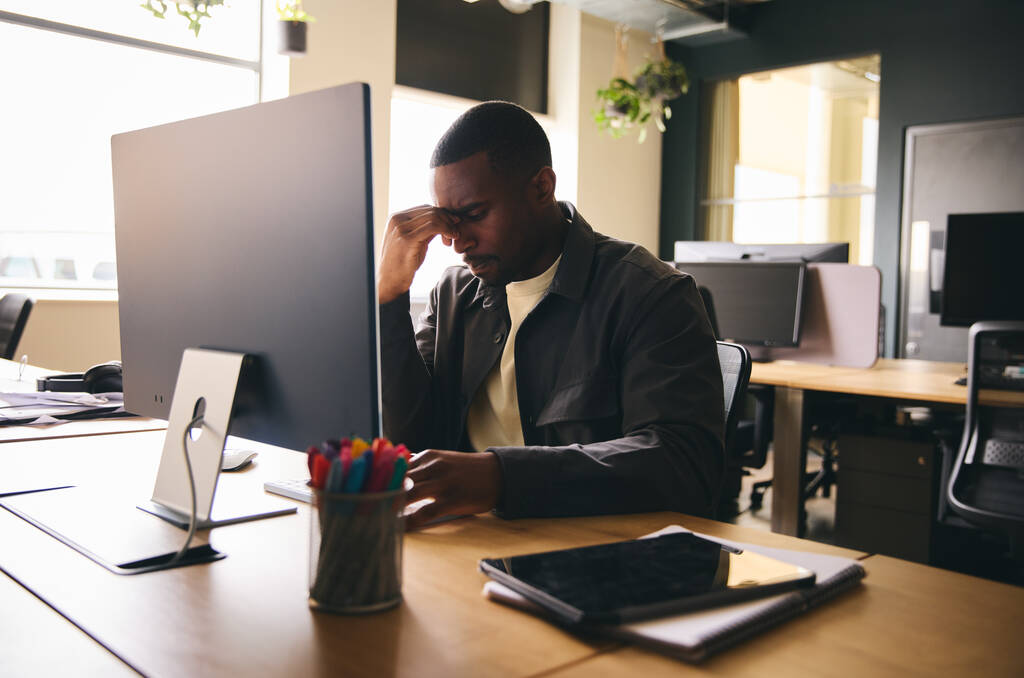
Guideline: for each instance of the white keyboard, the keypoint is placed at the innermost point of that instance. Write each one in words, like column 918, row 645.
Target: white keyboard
column 299, row 489
column 293, row 489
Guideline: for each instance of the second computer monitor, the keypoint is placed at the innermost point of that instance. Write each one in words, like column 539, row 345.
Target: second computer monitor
column 251, row 231
column 758, row 304
column 707, row 250
column 981, row 279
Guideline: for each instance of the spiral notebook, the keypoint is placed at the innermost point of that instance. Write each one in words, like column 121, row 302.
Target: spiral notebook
column 694, row 636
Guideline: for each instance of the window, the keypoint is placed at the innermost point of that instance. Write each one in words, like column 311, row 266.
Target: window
column 418, row 119
column 792, row 156
column 76, row 73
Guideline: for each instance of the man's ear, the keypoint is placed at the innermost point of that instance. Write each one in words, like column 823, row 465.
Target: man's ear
column 542, row 186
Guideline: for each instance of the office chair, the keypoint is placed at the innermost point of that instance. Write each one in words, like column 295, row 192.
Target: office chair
column 986, row 485
column 735, row 363
column 14, row 312
column 746, row 445
column 747, row 448
column 823, row 442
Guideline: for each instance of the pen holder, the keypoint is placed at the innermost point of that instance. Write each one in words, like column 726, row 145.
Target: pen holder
column 355, row 551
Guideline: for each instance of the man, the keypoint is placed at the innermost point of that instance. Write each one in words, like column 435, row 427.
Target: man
column 580, row 370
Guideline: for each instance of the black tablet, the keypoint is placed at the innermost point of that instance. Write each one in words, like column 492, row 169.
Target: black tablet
column 643, row 578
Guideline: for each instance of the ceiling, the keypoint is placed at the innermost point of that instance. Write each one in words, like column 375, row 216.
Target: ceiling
column 692, row 22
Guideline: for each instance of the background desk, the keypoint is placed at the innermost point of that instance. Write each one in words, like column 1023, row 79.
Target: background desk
column 248, row 613
column 14, row 378
column 918, row 381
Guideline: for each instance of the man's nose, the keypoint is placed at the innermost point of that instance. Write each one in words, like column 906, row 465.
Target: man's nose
column 464, row 240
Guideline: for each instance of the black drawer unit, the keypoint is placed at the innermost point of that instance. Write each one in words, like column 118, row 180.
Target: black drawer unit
column 886, row 494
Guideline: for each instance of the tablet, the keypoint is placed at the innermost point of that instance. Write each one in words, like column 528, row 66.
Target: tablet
column 643, row 578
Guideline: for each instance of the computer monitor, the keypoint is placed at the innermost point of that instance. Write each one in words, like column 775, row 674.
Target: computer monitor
column 251, row 231
column 755, row 303
column 699, row 250
column 982, row 278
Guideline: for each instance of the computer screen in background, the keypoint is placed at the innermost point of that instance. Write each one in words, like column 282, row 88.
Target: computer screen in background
column 755, row 303
column 982, row 279
column 700, row 250
column 251, row 231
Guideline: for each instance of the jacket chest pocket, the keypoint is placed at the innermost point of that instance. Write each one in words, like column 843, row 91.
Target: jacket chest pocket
column 587, row 400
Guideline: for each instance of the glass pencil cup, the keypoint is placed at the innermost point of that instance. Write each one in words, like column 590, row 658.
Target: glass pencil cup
column 355, row 551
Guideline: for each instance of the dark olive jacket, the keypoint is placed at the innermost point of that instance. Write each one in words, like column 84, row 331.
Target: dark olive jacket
column 620, row 391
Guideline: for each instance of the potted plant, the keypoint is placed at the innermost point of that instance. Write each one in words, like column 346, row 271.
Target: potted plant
column 292, row 26
column 621, row 107
column 625, row 105
column 661, row 81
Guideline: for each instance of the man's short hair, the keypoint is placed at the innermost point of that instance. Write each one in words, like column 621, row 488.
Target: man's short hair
column 515, row 143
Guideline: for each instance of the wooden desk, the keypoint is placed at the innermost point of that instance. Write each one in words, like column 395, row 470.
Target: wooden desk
column 15, row 379
column 248, row 614
column 36, row 641
column 914, row 381
column 906, row 620
column 80, row 427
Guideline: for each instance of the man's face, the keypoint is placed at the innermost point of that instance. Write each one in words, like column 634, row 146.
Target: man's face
column 498, row 229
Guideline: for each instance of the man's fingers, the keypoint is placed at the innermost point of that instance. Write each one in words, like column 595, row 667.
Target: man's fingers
column 426, row 514
column 425, row 229
column 421, row 489
column 418, row 459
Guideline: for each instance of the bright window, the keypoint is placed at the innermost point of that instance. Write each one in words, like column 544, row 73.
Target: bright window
column 793, row 156
column 418, row 119
column 70, row 91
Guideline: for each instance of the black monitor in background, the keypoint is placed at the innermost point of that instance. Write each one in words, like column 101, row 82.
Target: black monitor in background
column 755, row 303
column 706, row 250
column 982, row 279
column 251, row 231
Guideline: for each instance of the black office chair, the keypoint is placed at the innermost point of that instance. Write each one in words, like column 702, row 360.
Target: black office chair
column 823, row 442
column 14, row 312
column 748, row 446
column 986, row 485
column 747, row 443
column 735, row 363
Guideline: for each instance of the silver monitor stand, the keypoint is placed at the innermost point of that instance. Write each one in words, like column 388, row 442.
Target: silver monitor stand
column 206, row 386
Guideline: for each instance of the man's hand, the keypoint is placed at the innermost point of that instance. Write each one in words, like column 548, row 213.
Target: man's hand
column 459, row 482
column 405, row 246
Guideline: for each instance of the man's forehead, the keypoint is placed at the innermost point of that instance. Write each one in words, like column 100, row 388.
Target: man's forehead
column 465, row 182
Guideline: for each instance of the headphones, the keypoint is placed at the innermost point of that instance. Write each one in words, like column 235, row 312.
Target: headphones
column 102, row 378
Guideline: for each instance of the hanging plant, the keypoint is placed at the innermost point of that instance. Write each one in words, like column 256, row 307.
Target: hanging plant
column 622, row 108
column 193, row 10
column 662, row 81
column 292, row 22
column 625, row 105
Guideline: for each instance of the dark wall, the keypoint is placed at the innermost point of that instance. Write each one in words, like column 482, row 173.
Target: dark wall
column 476, row 51
column 942, row 61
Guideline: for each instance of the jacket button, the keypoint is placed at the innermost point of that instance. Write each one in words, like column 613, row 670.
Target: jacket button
column 498, row 337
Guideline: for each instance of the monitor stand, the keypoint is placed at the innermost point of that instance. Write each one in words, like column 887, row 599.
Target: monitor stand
column 206, row 386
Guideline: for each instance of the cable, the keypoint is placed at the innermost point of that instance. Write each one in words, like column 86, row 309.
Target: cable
column 196, row 420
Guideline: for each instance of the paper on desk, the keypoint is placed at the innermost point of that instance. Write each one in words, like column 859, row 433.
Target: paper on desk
column 47, row 407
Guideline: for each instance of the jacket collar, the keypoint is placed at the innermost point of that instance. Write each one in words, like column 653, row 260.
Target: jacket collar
column 577, row 256
column 573, row 272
